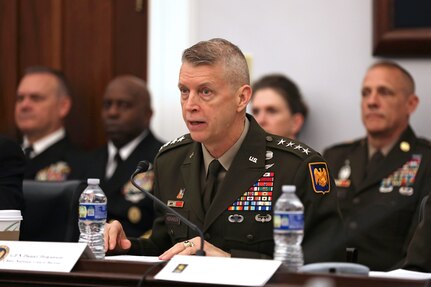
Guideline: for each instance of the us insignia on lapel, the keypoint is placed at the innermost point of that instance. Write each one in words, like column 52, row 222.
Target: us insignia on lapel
column 319, row 174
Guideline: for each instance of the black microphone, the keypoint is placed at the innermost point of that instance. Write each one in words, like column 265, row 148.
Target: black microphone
column 144, row 166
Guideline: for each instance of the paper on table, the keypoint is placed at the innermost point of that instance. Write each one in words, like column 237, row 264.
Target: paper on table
column 402, row 274
column 219, row 270
column 133, row 258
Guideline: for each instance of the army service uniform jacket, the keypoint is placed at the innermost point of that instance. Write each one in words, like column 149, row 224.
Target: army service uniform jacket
column 61, row 161
column 380, row 211
column 126, row 203
column 240, row 218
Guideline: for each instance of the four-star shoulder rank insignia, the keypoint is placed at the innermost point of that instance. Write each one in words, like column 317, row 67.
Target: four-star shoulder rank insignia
column 319, row 174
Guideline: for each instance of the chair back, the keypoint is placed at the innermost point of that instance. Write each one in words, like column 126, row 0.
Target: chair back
column 51, row 210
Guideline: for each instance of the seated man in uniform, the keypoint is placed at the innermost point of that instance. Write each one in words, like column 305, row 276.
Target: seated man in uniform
column 277, row 106
column 42, row 103
column 247, row 166
column 12, row 163
column 382, row 178
column 126, row 115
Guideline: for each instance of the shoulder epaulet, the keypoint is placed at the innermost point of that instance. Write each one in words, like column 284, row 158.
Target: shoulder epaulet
column 182, row 140
column 347, row 144
column 293, row 146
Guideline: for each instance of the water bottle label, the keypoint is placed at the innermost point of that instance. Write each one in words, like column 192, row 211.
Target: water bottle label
column 288, row 220
column 92, row 211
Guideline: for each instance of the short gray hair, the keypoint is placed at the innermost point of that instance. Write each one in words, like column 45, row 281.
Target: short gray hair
column 216, row 51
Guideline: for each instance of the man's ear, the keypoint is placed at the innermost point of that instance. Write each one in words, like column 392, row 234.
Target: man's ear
column 243, row 96
column 65, row 106
column 412, row 103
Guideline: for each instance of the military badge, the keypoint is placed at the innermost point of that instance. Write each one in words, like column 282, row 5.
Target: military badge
column 145, row 181
column 405, row 146
column 235, row 218
column 180, row 194
column 269, row 155
column 319, row 174
column 55, row 172
column 263, row 218
column 175, row 203
column 343, row 175
column 258, row 196
column 134, row 214
column 404, row 177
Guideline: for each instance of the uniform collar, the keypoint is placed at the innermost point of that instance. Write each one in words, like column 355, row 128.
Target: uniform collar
column 227, row 158
column 127, row 149
column 45, row 142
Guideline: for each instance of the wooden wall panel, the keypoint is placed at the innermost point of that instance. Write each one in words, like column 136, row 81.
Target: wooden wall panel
column 39, row 27
column 8, row 65
column 91, row 41
column 131, row 35
column 87, row 51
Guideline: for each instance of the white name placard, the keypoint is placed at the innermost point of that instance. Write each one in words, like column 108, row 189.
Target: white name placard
column 41, row 256
column 219, row 270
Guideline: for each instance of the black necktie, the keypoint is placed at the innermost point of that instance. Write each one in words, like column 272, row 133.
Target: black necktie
column 27, row 151
column 117, row 158
column 211, row 183
column 374, row 162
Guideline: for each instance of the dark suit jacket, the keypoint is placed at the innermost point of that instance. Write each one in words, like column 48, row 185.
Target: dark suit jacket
column 135, row 215
column 50, row 160
column 381, row 211
column 419, row 252
column 12, row 164
column 178, row 168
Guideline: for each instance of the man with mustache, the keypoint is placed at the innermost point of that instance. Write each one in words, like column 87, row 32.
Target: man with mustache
column 126, row 115
column 382, row 178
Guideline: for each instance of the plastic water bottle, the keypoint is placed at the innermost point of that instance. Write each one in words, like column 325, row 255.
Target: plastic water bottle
column 92, row 217
column 289, row 229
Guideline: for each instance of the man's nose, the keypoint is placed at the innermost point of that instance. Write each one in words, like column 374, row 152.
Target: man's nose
column 192, row 102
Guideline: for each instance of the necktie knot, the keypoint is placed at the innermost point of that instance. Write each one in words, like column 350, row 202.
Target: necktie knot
column 118, row 159
column 214, row 168
column 374, row 162
column 27, row 151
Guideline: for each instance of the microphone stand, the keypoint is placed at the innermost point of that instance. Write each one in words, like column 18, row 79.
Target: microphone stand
column 144, row 166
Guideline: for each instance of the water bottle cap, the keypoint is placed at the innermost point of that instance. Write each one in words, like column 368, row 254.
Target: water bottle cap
column 93, row 181
column 288, row 188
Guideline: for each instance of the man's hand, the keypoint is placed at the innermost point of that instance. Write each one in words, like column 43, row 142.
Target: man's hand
column 115, row 239
column 189, row 247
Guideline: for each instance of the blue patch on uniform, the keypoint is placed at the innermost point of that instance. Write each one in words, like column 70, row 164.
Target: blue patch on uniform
column 319, row 174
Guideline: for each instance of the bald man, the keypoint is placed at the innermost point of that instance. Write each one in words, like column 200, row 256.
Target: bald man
column 126, row 114
column 382, row 178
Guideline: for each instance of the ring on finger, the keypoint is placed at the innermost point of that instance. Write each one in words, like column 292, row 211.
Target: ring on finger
column 188, row 243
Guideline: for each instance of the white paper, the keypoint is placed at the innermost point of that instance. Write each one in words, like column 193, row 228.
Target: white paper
column 219, row 270
column 40, row 256
column 150, row 259
column 402, row 274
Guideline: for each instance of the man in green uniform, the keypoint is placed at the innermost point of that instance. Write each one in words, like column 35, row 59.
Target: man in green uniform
column 250, row 167
column 382, row 178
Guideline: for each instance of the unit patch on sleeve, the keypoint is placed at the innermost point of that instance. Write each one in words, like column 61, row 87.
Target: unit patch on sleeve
column 258, row 196
column 319, row 174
